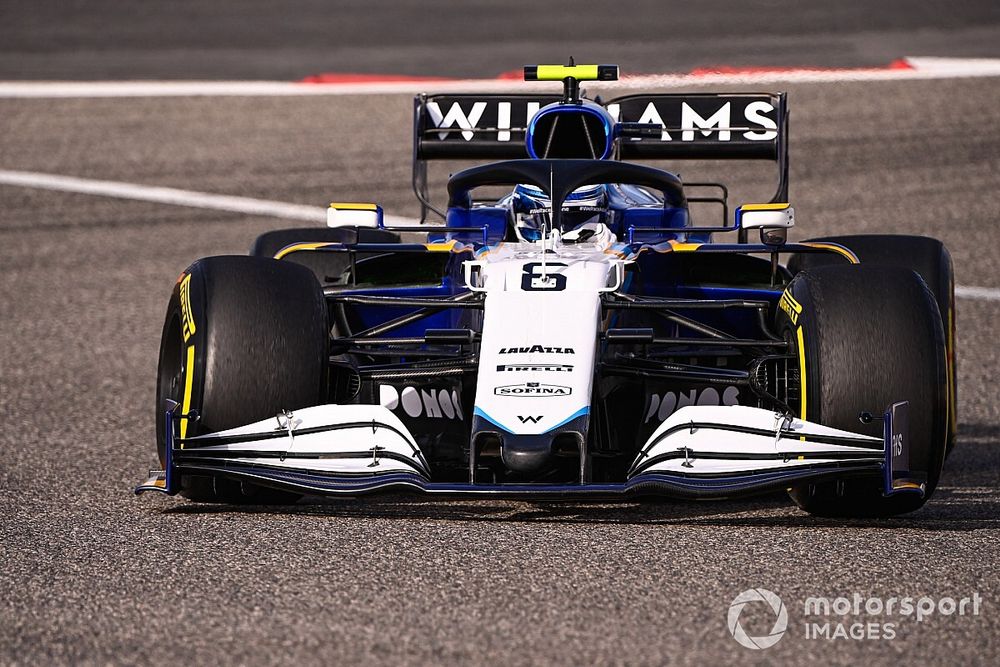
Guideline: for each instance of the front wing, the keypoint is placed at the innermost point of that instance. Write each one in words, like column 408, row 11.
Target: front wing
column 698, row 452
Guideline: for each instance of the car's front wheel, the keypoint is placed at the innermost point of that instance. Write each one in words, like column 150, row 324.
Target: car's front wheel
column 930, row 259
column 866, row 337
column 244, row 339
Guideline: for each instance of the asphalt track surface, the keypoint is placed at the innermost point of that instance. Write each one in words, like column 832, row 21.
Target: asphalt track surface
column 262, row 39
column 89, row 573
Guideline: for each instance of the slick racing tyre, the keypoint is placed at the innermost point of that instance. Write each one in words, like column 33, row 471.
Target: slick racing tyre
column 329, row 267
column 244, row 339
column 866, row 337
column 929, row 258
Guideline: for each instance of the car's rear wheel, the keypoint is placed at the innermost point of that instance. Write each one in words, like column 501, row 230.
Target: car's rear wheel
column 930, row 259
column 244, row 339
column 866, row 337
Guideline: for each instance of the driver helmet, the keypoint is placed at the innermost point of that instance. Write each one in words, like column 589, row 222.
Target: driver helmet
column 584, row 209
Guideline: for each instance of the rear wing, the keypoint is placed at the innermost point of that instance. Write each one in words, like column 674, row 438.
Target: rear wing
column 695, row 126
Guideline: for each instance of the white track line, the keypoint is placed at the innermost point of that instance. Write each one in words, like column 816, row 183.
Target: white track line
column 921, row 68
column 979, row 293
column 249, row 206
column 172, row 196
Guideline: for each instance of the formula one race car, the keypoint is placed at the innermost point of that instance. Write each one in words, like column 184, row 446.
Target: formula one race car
column 577, row 335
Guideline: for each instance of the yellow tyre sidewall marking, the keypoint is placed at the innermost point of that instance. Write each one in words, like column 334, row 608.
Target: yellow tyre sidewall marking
column 188, row 384
column 802, row 373
column 187, row 314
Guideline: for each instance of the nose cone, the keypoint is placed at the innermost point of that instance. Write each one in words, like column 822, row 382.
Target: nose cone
column 526, row 453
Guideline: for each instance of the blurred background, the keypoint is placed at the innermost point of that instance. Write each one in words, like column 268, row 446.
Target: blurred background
column 288, row 40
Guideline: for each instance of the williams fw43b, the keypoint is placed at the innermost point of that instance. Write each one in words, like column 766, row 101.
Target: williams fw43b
column 572, row 334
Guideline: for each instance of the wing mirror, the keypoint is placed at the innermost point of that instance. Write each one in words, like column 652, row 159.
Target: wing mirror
column 773, row 221
column 349, row 214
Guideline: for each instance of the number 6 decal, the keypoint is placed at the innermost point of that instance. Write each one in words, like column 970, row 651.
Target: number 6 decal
column 532, row 280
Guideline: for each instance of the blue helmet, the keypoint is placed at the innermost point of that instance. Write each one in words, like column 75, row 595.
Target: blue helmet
column 532, row 210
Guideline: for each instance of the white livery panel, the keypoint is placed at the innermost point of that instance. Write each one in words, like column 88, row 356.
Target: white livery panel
column 710, row 440
column 347, row 439
column 539, row 336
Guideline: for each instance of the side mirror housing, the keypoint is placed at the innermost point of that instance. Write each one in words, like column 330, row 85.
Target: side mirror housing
column 350, row 214
column 773, row 220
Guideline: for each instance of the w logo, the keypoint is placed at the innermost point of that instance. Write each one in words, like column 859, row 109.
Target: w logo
column 456, row 116
column 533, row 420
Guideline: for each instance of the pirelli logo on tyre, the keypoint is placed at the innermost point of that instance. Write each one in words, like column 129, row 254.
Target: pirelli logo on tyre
column 791, row 307
column 187, row 315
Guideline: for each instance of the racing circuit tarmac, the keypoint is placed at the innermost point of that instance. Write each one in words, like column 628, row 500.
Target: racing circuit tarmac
column 89, row 573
